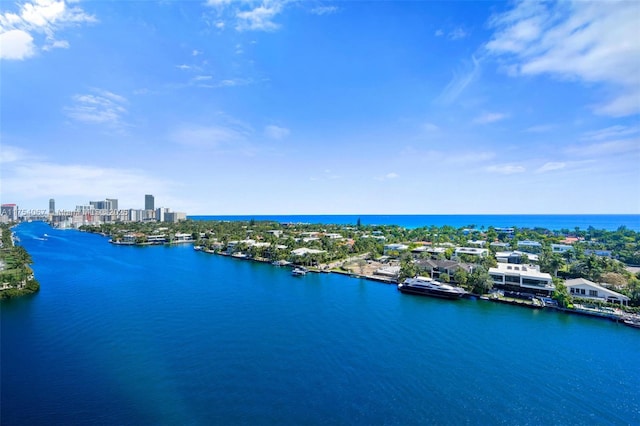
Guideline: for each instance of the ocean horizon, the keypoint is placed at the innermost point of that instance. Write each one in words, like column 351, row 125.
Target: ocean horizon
column 554, row 222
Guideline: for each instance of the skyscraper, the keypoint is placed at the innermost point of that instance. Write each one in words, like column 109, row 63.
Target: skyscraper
column 52, row 206
column 149, row 202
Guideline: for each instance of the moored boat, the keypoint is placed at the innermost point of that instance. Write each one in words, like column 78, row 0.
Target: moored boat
column 298, row 272
column 425, row 286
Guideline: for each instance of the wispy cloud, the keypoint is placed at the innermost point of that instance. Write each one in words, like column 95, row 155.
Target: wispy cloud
column 211, row 136
column 591, row 42
column 388, row 176
column 260, row 18
column 99, row 107
column 36, row 24
column 276, row 132
column 460, row 82
column 324, row 10
column 29, row 177
column 551, row 166
column 606, row 149
column 612, row 132
column 457, row 34
column 506, row 169
column 490, row 117
column 540, row 128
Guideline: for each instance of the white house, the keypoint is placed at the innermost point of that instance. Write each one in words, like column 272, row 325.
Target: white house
column 526, row 278
column 515, row 256
column 529, row 246
column 470, row 251
column 585, row 289
column 395, row 247
column 560, row 248
column 303, row 251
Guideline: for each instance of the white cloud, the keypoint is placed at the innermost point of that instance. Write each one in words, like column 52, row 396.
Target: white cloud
column 609, row 148
column 259, row 19
column 100, row 107
column 505, row 169
column 28, row 177
column 551, row 166
column 490, row 117
column 16, row 44
column 457, row 34
column 460, row 82
column 540, row 128
column 590, row 42
column 438, row 33
column 430, row 127
column 41, row 18
column 610, row 133
column 212, row 136
column 324, row 10
column 276, row 132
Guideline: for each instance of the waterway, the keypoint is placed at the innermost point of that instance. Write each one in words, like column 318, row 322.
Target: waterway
column 167, row 335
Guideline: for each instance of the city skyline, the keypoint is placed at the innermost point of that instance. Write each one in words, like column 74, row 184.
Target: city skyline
column 289, row 107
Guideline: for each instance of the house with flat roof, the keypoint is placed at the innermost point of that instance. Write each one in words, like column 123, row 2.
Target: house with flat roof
column 600, row 253
column 500, row 246
column 522, row 278
column 585, row 289
column 470, row 251
column 529, row 246
column 560, row 248
column 515, row 256
column 394, row 247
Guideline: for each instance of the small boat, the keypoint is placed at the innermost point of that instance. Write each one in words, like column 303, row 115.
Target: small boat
column 425, row 286
column 299, row 272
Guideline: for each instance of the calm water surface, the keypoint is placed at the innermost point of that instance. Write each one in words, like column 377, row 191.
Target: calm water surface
column 166, row 335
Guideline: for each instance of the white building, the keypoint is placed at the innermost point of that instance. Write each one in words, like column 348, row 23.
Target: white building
column 529, row 246
column 525, row 278
column 585, row 289
column 560, row 248
column 395, row 247
column 303, row 251
column 515, row 257
column 470, row 251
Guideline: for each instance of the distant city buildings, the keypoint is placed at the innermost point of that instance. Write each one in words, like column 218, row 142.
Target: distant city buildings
column 9, row 212
column 107, row 211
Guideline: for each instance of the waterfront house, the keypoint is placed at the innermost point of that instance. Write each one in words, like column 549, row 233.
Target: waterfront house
column 522, row 278
column 515, row 257
column 560, row 248
column 388, row 248
column 585, row 289
column 600, row 253
column 499, row 246
column 528, row 246
column 436, row 267
column 476, row 243
column 303, row 251
column 470, row 251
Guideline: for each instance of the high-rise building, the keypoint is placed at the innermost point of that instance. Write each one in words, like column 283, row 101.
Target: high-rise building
column 52, row 206
column 148, row 202
column 113, row 204
column 10, row 210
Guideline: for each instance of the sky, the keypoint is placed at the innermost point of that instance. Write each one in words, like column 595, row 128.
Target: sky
column 317, row 107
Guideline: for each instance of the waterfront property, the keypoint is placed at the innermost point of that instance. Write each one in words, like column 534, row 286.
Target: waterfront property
column 585, row 289
column 524, row 278
column 470, row 251
column 516, row 257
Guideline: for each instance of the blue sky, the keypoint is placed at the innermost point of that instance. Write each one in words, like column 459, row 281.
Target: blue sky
column 318, row 107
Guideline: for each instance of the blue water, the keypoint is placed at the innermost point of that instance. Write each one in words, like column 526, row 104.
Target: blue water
column 167, row 335
column 552, row 222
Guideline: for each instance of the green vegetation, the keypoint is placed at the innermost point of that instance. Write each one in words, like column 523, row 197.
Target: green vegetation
column 16, row 277
column 333, row 245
